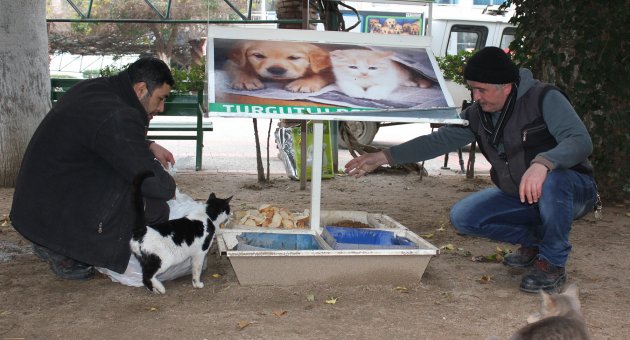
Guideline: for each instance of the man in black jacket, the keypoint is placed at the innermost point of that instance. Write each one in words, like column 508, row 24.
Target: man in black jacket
column 72, row 197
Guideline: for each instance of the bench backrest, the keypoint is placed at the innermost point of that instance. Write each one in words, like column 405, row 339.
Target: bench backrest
column 175, row 105
column 59, row 86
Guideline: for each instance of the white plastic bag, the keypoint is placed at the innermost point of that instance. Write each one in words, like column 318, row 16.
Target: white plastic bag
column 179, row 207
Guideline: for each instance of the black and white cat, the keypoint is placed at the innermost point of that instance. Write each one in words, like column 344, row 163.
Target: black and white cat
column 157, row 247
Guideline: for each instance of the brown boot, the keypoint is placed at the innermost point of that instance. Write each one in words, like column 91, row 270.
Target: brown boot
column 523, row 258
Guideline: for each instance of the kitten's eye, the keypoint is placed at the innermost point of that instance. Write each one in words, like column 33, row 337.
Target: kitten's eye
column 353, row 67
column 372, row 68
column 294, row 57
column 259, row 56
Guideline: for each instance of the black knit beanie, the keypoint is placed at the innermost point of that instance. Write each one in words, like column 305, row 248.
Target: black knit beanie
column 491, row 66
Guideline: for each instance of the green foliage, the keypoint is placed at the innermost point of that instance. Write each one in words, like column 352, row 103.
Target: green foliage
column 191, row 79
column 581, row 46
column 87, row 74
column 111, row 70
column 452, row 66
column 81, row 27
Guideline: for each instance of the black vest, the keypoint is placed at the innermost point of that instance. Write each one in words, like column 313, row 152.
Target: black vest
column 525, row 136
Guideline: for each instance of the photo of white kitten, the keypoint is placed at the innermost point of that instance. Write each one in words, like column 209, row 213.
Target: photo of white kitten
column 371, row 74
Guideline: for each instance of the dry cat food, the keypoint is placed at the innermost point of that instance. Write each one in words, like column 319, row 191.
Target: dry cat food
column 350, row 224
column 271, row 216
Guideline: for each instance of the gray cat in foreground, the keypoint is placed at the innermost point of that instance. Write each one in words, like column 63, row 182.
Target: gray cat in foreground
column 559, row 318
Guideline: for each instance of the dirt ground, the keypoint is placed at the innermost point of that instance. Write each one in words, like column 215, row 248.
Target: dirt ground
column 456, row 298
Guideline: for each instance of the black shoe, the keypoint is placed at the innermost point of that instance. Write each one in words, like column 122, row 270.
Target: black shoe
column 64, row 267
column 523, row 258
column 41, row 252
column 543, row 276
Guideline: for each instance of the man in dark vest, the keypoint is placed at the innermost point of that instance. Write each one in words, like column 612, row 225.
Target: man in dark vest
column 72, row 198
column 538, row 149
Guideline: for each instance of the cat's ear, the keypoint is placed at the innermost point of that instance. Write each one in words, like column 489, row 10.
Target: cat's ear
column 572, row 291
column 212, row 196
column 386, row 54
column 229, row 199
column 336, row 54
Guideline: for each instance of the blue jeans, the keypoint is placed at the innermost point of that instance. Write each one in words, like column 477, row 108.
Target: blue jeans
column 566, row 196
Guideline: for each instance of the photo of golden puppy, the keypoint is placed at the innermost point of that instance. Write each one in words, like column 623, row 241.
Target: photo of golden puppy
column 303, row 66
column 390, row 22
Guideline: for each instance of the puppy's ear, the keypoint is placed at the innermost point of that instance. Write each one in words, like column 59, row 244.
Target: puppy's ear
column 319, row 59
column 238, row 52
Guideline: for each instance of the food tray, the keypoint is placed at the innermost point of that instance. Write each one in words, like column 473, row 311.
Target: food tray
column 345, row 266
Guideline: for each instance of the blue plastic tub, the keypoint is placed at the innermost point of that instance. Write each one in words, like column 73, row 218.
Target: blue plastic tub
column 274, row 241
column 361, row 238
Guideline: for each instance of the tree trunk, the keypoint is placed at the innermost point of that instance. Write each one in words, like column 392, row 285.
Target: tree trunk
column 164, row 45
column 25, row 85
column 295, row 9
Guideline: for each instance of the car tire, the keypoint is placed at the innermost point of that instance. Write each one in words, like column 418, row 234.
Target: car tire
column 364, row 132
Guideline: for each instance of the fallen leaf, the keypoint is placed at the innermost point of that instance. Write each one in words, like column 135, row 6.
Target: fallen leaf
column 216, row 275
column 449, row 246
column 310, row 297
column 152, row 309
column 430, row 235
column 5, row 221
column 331, row 301
column 485, row 279
column 402, row 289
column 243, row 323
column 280, row 313
column 441, row 228
column 498, row 256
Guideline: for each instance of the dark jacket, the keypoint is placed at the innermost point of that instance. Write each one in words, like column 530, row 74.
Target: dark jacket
column 525, row 136
column 73, row 190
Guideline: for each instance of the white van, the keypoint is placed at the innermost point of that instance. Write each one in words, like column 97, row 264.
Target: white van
column 453, row 31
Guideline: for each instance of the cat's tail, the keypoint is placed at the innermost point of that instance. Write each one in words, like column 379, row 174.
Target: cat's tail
column 139, row 227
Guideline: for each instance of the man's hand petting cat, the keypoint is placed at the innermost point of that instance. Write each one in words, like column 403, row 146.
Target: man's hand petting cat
column 365, row 163
column 164, row 156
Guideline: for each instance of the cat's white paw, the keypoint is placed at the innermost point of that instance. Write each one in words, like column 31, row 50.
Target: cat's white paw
column 197, row 284
column 158, row 287
column 157, row 290
column 304, row 86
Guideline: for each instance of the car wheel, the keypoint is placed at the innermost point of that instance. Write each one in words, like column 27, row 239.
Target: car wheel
column 364, row 132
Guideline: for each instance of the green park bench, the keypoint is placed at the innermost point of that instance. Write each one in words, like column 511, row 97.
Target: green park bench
column 176, row 105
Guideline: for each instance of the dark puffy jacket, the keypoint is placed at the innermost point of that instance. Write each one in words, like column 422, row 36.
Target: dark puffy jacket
column 73, row 190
